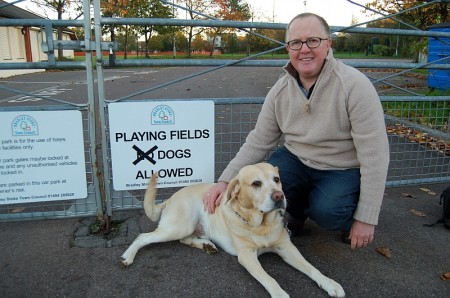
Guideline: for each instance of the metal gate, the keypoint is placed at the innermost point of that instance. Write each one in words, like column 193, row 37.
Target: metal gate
column 419, row 153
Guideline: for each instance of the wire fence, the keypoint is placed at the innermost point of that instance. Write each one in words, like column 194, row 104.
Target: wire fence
column 417, row 121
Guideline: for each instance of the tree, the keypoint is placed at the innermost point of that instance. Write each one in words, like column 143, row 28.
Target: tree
column 61, row 7
column 181, row 41
column 354, row 42
column 193, row 6
column 231, row 10
column 150, row 9
column 198, row 43
column 131, row 11
column 157, row 42
column 137, row 9
column 264, row 44
column 420, row 17
column 125, row 43
column 111, row 9
column 230, row 43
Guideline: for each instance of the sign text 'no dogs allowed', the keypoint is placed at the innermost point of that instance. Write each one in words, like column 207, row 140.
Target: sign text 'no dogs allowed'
column 173, row 138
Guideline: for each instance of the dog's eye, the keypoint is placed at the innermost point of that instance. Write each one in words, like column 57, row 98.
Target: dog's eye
column 256, row 183
column 276, row 179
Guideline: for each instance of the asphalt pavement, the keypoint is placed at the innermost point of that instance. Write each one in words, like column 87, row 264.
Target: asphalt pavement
column 166, row 83
column 62, row 258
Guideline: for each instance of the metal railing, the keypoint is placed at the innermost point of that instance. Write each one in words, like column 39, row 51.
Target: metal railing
column 419, row 152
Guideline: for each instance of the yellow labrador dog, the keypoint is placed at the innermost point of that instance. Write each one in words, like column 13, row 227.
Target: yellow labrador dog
column 248, row 222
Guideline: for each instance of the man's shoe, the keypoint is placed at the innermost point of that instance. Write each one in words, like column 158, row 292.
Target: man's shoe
column 345, row 237
column 298, row 231
column 296, row 226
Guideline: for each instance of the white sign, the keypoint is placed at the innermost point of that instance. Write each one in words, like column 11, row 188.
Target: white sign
column 173, row 138
column 41, row 156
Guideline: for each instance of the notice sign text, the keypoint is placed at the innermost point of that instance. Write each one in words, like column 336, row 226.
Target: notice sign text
column 173, row 138
column 41, row 156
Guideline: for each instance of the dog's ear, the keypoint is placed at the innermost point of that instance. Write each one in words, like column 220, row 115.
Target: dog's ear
column 232, row 189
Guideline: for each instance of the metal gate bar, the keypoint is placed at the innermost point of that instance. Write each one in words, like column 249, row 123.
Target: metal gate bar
column 412, row 162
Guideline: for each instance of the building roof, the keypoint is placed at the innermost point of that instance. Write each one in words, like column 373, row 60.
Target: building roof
column 9, row 11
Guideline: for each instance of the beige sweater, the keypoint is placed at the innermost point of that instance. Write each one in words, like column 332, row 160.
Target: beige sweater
column 341, row 126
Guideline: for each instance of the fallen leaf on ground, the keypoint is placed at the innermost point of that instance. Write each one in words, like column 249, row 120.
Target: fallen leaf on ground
column 417, row 213
column 445, row 276
column 423, row 139
column 431, row 193
column 405, row 194
column 384, row 251
column 16, row 210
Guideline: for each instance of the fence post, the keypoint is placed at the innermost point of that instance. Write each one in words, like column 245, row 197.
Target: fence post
column 96, row 169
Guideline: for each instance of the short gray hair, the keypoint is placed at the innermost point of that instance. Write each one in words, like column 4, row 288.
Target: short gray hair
column 324, row 23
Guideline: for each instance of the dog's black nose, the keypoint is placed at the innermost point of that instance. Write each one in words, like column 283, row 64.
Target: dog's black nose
column 277, row 196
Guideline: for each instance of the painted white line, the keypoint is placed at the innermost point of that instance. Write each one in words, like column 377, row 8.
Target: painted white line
column 51, row 92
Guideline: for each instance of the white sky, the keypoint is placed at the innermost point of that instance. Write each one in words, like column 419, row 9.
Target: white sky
column 335, row 12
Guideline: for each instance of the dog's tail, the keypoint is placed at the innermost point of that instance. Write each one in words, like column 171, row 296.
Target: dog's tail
column 152, row 210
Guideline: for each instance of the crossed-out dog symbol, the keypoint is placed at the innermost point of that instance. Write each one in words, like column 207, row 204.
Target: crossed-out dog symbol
column 141, row 155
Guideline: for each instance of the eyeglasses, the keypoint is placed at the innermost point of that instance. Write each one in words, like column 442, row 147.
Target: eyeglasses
column 312, row 43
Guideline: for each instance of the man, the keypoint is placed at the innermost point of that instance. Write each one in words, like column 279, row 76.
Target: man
column 334, row 162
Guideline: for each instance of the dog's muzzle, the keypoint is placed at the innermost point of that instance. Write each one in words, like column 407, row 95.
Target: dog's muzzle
column 278, row 198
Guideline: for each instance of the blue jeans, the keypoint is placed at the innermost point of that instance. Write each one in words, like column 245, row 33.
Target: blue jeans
column 329, row 197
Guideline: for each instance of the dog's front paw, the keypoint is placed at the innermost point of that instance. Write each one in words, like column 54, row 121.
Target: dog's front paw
column 332, row 288
column 210, row 249
column 125, row 261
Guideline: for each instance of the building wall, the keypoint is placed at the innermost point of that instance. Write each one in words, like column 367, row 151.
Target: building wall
column 12, row 49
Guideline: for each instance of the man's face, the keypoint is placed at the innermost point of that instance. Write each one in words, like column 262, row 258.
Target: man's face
column 308, row 62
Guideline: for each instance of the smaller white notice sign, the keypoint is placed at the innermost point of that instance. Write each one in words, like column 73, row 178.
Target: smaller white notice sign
column 41, row 156
column 173, row 138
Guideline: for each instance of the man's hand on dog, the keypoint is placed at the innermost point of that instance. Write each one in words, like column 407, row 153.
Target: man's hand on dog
column 214, row 196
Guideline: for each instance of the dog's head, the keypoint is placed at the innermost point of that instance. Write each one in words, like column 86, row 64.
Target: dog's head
column 257, row 187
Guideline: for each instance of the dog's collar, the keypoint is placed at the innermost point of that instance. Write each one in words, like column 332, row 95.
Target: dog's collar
column 280, row 211
column 243, row 219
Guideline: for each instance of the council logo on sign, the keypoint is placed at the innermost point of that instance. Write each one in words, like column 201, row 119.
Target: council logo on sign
column 24, row 125
column 163, row 115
